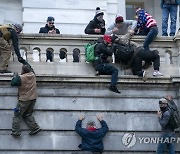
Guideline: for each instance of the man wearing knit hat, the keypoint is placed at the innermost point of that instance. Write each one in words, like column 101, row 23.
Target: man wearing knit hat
column 91, row 135
column 168, row 133
column 121, row 26
column 49, row 27
column 97, row 25
column 9, row 39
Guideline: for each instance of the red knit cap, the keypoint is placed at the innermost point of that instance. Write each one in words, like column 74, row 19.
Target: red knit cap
column 107, row 38
column 119, row 19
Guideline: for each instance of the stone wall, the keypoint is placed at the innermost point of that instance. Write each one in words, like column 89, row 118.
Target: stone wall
column 61, row 99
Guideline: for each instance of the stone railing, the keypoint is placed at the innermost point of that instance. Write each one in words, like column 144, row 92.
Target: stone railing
column 35, row 46
column 70, row 48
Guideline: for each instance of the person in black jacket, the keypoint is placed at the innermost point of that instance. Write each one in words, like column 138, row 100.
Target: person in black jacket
column 91, row 135
column 97, row 25
column 49, row 27
column 168, row 133
column 9, row 39
column 101, row 64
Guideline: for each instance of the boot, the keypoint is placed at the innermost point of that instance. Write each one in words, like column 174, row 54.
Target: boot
column 114, row 89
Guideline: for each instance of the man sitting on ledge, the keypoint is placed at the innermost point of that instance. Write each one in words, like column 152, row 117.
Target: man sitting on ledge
column 101, row 64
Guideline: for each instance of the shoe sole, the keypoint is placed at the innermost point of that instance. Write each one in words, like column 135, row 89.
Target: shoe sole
column 115, row 92
column 157, row 75
column 16, row 136
column 35, row 132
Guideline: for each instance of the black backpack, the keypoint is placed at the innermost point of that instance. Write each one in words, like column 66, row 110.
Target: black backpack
column 123, row 53
column 175, row 117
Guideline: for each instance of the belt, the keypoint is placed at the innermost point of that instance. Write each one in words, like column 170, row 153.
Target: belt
column 153, row 26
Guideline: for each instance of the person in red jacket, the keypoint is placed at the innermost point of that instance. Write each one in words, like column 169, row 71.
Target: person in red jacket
column 91, row 135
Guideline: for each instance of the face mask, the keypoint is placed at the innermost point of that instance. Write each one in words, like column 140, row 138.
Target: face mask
column 163, row 108
column 100, row 18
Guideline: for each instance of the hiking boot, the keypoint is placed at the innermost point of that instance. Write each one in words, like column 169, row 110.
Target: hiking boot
column 5, row 71
column 147, row 65
column 114, row 89
column 145, row 73
column 35, row 131
column 16, row 134
column 157, row 73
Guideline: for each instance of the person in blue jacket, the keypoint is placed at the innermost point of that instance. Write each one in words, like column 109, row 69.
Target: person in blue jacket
column 91, row 135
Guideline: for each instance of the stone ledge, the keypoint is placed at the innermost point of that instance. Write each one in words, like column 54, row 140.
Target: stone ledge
column 95, row 79
column 88, row 37
column 70, row 141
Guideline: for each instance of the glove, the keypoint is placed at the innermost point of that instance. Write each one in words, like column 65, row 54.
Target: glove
column 21, row 60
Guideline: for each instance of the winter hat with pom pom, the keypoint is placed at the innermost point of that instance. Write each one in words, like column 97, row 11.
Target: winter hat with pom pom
column 99, row 12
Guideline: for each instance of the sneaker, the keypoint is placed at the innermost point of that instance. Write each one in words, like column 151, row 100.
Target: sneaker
column 147, row 65
column 145, row 73
column 16, row 134
column 35, row 131
column 157, row 73
column 5, row 71
column 97, row 73
column 114, row 89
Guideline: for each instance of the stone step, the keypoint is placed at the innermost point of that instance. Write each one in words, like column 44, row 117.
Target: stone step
column 86, row 104
column 69, row 141
column 60, row 120
column 84, row 68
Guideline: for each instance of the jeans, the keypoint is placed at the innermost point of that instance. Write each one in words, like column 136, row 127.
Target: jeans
column 107, row 69
column 170, row 146
column 150, row 56
column 153, row 32
column 166, row 11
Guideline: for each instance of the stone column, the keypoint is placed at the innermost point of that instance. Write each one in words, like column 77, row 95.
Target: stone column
column 122, row 8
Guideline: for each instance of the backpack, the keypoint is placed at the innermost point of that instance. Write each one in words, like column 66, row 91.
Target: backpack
column 175, row 117
column 5, row 32
column 123, row 53
column 89, row 52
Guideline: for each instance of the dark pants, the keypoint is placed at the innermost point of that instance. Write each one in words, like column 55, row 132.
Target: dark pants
column 150, row 56
column 107, row 69
column 24, row 109
column 166, row 145
column 153, row 32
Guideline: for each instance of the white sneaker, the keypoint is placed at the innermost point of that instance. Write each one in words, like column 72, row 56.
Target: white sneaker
column 157, row 73
column 145, row 73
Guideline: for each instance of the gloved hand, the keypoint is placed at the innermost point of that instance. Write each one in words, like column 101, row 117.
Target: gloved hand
column 21, row 60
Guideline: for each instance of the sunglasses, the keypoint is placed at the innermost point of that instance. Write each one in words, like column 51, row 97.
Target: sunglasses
column 51, row 23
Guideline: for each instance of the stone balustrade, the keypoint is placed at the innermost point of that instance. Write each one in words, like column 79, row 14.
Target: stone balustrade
column 35, row 46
